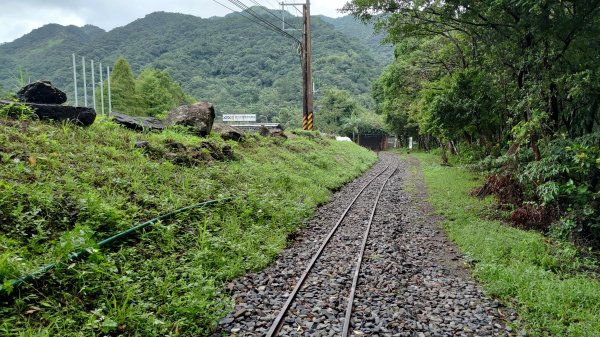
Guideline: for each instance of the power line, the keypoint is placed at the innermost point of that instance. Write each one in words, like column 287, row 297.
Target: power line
column 251, row 12
column 270, row 12
column 273, row 5
column 248, row 10
column 297, row 10
column 247, row 17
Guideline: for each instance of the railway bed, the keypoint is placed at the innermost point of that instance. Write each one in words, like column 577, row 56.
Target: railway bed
column 410, row 281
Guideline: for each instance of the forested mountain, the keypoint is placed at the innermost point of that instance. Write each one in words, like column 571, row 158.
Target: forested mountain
column 365, row 32
column 229, row 60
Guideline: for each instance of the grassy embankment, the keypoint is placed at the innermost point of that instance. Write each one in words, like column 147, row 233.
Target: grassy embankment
column 63, row 188
column 543, row 280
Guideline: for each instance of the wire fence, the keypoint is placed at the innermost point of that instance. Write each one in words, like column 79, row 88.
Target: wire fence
column 87, row 86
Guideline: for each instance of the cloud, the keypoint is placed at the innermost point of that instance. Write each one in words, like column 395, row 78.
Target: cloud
column 19, row 17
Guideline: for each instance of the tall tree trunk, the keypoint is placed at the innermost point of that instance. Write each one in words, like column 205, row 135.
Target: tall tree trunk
column 534, row 147
column 443, row 153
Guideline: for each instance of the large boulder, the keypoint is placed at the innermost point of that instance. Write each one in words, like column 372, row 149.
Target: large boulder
column 200, row 116
column 228, row 132
column 79, row 115
column 138, row 123
column 42, row 92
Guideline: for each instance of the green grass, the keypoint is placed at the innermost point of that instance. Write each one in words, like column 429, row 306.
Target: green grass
column 541, row 279
column 64, row 188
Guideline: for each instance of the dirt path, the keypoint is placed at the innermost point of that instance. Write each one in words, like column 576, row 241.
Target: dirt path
column 412, row 281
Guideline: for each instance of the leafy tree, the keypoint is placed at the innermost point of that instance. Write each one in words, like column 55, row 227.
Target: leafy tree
column 537, row 51
column 158, row 93
column 340, row 113
column 517, row 76
column 289, row 117
column 123, row 91
column 334, row 108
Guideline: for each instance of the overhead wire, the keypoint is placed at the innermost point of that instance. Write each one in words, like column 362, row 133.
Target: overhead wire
column 272, row 14
column 251, row 12
column 247, row 17
column 257, row 16
column 276, row 5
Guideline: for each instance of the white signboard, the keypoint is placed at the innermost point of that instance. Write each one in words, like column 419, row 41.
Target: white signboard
column 410, row 143
column 239, row 118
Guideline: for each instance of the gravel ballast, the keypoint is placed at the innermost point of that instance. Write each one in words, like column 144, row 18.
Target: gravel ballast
column 412, row 281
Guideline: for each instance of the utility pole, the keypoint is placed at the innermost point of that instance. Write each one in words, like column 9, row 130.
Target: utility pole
column 308, row 122
column 306, row 53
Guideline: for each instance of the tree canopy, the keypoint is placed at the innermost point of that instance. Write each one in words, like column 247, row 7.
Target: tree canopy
column 519, row 78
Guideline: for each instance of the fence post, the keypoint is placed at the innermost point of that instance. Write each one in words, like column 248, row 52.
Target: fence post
column 109, row 98
column 93, row 86
column 101, row 89
column 75, row 79
column 85, row 101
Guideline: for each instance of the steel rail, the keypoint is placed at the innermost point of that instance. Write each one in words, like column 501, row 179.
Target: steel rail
column 276, row 325
column 361, row 254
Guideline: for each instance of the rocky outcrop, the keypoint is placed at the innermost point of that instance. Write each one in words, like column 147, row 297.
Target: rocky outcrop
column 228, row 132
column 138, row 123
column 199, row 116
column 41, row 92
column 79, row 115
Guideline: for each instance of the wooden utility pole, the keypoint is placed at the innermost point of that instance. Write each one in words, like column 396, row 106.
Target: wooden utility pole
column 308, row 120
column 306, row 53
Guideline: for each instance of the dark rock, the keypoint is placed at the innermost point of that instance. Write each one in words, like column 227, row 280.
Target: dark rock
column 200, row 116
column 176, row 146
column 79, row 115
column 264, row 131
column 228, row 152
column 42, row 92
column 138, row 123
column 142, row 144
column 214, row 152
column 228, row 132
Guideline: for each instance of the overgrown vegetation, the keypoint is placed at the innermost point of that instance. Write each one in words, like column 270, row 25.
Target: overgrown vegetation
column 512, row 82
column 550, row 284
column 341, row 114
column 64, row 187
column 153, row 93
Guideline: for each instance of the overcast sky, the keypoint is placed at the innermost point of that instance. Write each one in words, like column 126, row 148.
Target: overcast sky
column 19, row 17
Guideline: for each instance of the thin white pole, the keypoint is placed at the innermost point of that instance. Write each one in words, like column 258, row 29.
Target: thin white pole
column 101, row 89
column 93, row 86
column 109, row 99
column 84, row 83
column 75, row 79
column 282, row 16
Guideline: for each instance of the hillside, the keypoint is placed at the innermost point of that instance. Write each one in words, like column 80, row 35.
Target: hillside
column 58, row 194
column 365, row 33
column 227, row 60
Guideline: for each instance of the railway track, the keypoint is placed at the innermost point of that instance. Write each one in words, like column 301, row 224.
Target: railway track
column 411, row 281
column 334, row 270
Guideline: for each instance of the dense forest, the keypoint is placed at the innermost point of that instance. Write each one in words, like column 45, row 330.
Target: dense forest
column 511, row 85
column 230, row 61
